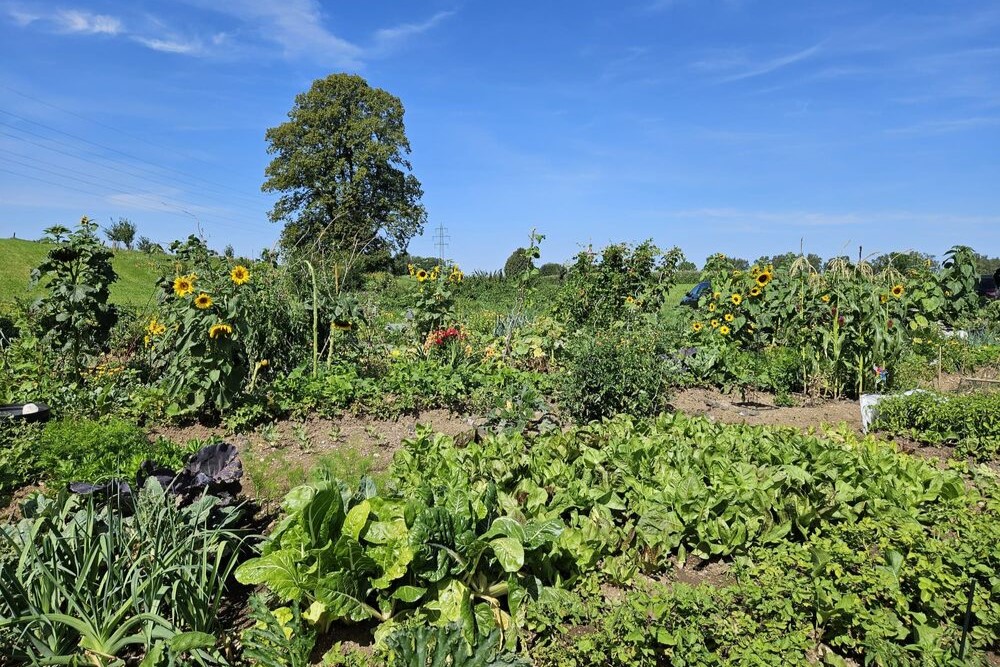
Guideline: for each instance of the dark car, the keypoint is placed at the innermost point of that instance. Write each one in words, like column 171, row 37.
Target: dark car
column 989, row 286
column 691, row 298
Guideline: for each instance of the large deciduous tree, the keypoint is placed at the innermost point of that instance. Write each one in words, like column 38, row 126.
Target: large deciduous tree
column 340, row 163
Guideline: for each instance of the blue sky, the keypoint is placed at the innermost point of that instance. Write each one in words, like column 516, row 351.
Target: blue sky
column 717, row 125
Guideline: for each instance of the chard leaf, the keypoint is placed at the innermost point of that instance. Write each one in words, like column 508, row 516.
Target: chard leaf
column 509, row 552
column 277, row 570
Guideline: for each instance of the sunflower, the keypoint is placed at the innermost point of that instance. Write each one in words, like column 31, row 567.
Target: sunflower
column 897, row 291
column 737, row 299
column 715, row 324
column 456, row 275
column 421, row 275
column 729, row 317
column 697, row 326
column 716, row 296
column 203, row 301
column 711, row 307
column 239, row 275
column 184, row 285
column 220, row 329
column 825, row 298
column 156, row 328
column 883, row 298
column 754, row 291
column 724, row 330
column 763, row 278
column 630, row 299
column 409, row 267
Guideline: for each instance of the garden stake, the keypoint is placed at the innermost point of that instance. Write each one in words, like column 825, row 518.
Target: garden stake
column 967, row 622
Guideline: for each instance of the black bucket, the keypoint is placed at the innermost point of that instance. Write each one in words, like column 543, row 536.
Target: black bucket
column 37, row 412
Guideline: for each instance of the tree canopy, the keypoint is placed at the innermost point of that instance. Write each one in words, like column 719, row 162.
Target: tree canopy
column 340, row 164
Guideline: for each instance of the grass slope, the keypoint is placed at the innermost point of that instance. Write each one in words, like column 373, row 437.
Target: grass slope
column 137, row 273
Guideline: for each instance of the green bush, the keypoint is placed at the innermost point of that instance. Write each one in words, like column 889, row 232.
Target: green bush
column 84, row 450
column 614, row 370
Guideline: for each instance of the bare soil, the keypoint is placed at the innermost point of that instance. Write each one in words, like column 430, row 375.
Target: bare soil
column 299, row 445
column 759, row 409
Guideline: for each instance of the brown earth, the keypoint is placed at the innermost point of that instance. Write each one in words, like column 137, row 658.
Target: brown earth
column 759, row 409
column 287, row 451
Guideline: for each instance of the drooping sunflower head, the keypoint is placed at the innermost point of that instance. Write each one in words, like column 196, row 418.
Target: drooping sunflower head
column 421, row 275
column 203, row 301
column 240, row 275
column 825, row 298
column 697, row 326
column 219, row 330
column 897, row 291
column 737, row 299
column 724, row 330
column 754, row 291
column 715, row 324
column 763, row 278
column 711, row 307
column 184, row 285
column 728, row 317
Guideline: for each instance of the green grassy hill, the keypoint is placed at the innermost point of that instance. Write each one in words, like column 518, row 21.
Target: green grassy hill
column 137, row 273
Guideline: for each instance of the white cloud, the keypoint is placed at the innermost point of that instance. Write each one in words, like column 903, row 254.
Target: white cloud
column 741, row 68
column 169, row 45
column 388, row 38
column 87, row 23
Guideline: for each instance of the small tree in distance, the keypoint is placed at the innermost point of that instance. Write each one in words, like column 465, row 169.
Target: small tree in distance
column 122, row 232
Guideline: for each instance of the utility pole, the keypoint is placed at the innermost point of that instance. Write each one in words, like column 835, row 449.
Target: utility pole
column 441, row 241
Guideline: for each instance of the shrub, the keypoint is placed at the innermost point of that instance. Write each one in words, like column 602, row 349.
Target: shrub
column 69, row 450
column 613, row 370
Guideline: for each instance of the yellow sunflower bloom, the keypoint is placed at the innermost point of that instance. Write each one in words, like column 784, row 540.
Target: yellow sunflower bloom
column 184, row 285
column 729, row 317
column 754, row 291
column 716, row 296
column 456, row 275
column 240, row 275
column 203, row 301
column 883, row 298
column 737, row 299
column 421, row 275
column 763, row 278
column 825, row 298
column 711, row 307
column 715, row 324
column 897, row 291
column 724, row 330
column 697, row 326
column 630, row 299
column 220, row 329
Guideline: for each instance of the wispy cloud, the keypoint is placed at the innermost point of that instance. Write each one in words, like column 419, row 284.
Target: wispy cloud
column 732, row 67
column 387, row 39
column 153, row 35
column 947, row 125
column 87, row 23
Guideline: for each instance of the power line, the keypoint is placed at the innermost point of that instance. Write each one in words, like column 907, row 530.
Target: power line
column 115, row 150
column 167, row 179
column 152, row 197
